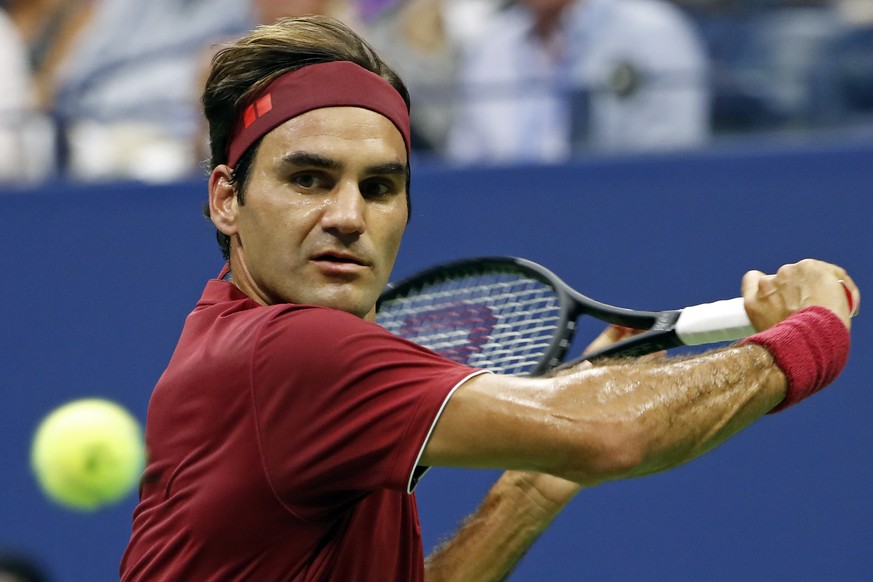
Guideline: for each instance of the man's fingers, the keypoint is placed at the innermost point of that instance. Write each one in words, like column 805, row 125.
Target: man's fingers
column 771, row 298
column 758, row 285
column 750, row 282
column 853, row 294
column 609, row 336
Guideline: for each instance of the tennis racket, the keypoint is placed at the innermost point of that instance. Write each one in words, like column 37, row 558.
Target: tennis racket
column 513, row 316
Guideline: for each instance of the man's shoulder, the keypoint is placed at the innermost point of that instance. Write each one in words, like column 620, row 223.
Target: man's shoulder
column 224, row 309
column 248, row 312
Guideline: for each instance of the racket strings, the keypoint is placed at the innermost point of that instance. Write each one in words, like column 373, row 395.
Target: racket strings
column 503, row 322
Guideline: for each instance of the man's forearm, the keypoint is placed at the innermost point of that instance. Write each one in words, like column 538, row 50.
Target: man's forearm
column 676, row 404
column 681, row 408
column 491, row 541
column 621, row 420
column 634, row 418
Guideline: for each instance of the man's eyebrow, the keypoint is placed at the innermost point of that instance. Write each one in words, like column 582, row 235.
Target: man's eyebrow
column 310, row 159
column 390, row 169
column 318, row 161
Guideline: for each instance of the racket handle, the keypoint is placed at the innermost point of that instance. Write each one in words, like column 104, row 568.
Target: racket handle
column 721, row 321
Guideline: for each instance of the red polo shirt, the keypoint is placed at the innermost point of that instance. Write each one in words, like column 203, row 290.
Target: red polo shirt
column 282, row 443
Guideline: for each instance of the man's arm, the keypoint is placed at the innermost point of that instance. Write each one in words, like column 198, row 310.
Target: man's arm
column 615, row 421
column 521, row 505
column 490, row 542
column 610, row 422
column 515, row 512
column 637, row 417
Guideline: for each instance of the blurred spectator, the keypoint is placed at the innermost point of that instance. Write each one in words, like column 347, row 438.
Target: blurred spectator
column 422, row 40
column 20, row 568
column 844, row 79
column 370, row 9
column 49, row 28
column 772, row 60
column 781, row 52
column 25, row 136
column 551, row 77
column 128, row 93
column 267, row 11
column 856, row 12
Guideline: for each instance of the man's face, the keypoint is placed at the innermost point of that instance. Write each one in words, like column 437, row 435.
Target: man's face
column 325, row 210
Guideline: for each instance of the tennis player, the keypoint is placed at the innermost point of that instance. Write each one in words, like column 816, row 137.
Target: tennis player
column 288, row 432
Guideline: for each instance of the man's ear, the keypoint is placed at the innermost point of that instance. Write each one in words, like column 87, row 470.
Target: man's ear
column 223, row 205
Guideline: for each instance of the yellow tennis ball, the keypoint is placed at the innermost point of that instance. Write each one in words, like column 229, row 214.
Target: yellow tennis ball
column 88, row 453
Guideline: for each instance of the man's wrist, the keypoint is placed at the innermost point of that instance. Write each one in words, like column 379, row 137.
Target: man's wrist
column 811, row 348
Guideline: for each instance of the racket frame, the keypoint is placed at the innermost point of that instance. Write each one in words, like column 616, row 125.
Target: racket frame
column 572, row 305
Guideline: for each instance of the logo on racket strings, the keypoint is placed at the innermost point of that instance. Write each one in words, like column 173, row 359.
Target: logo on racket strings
column 457, row 331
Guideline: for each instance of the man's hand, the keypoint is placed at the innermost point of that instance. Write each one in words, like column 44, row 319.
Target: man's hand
column 771, row 298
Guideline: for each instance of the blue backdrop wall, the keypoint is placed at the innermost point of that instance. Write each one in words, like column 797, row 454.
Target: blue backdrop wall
column 96, row 281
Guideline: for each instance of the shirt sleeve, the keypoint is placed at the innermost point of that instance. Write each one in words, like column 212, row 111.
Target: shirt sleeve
column 342, row 407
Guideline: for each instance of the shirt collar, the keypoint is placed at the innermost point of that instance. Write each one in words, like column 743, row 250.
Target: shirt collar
column 220, row 289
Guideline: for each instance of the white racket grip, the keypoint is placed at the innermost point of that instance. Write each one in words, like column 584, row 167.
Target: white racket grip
column 720, row 321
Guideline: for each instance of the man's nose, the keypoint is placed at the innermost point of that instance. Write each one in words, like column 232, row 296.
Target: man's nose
column 345, row 210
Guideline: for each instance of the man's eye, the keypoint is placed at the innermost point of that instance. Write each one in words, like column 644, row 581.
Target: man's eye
column 375, row 189
column 305, row 180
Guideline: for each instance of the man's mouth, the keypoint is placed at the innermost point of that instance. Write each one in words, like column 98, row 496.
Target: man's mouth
column 339, row 259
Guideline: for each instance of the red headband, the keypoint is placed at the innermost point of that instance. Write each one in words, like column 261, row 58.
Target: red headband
column 333, row 84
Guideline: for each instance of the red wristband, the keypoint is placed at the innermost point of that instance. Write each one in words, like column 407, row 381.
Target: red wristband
column 811, row 348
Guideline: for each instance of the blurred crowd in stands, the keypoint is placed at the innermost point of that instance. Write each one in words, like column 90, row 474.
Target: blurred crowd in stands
column 109, row 89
